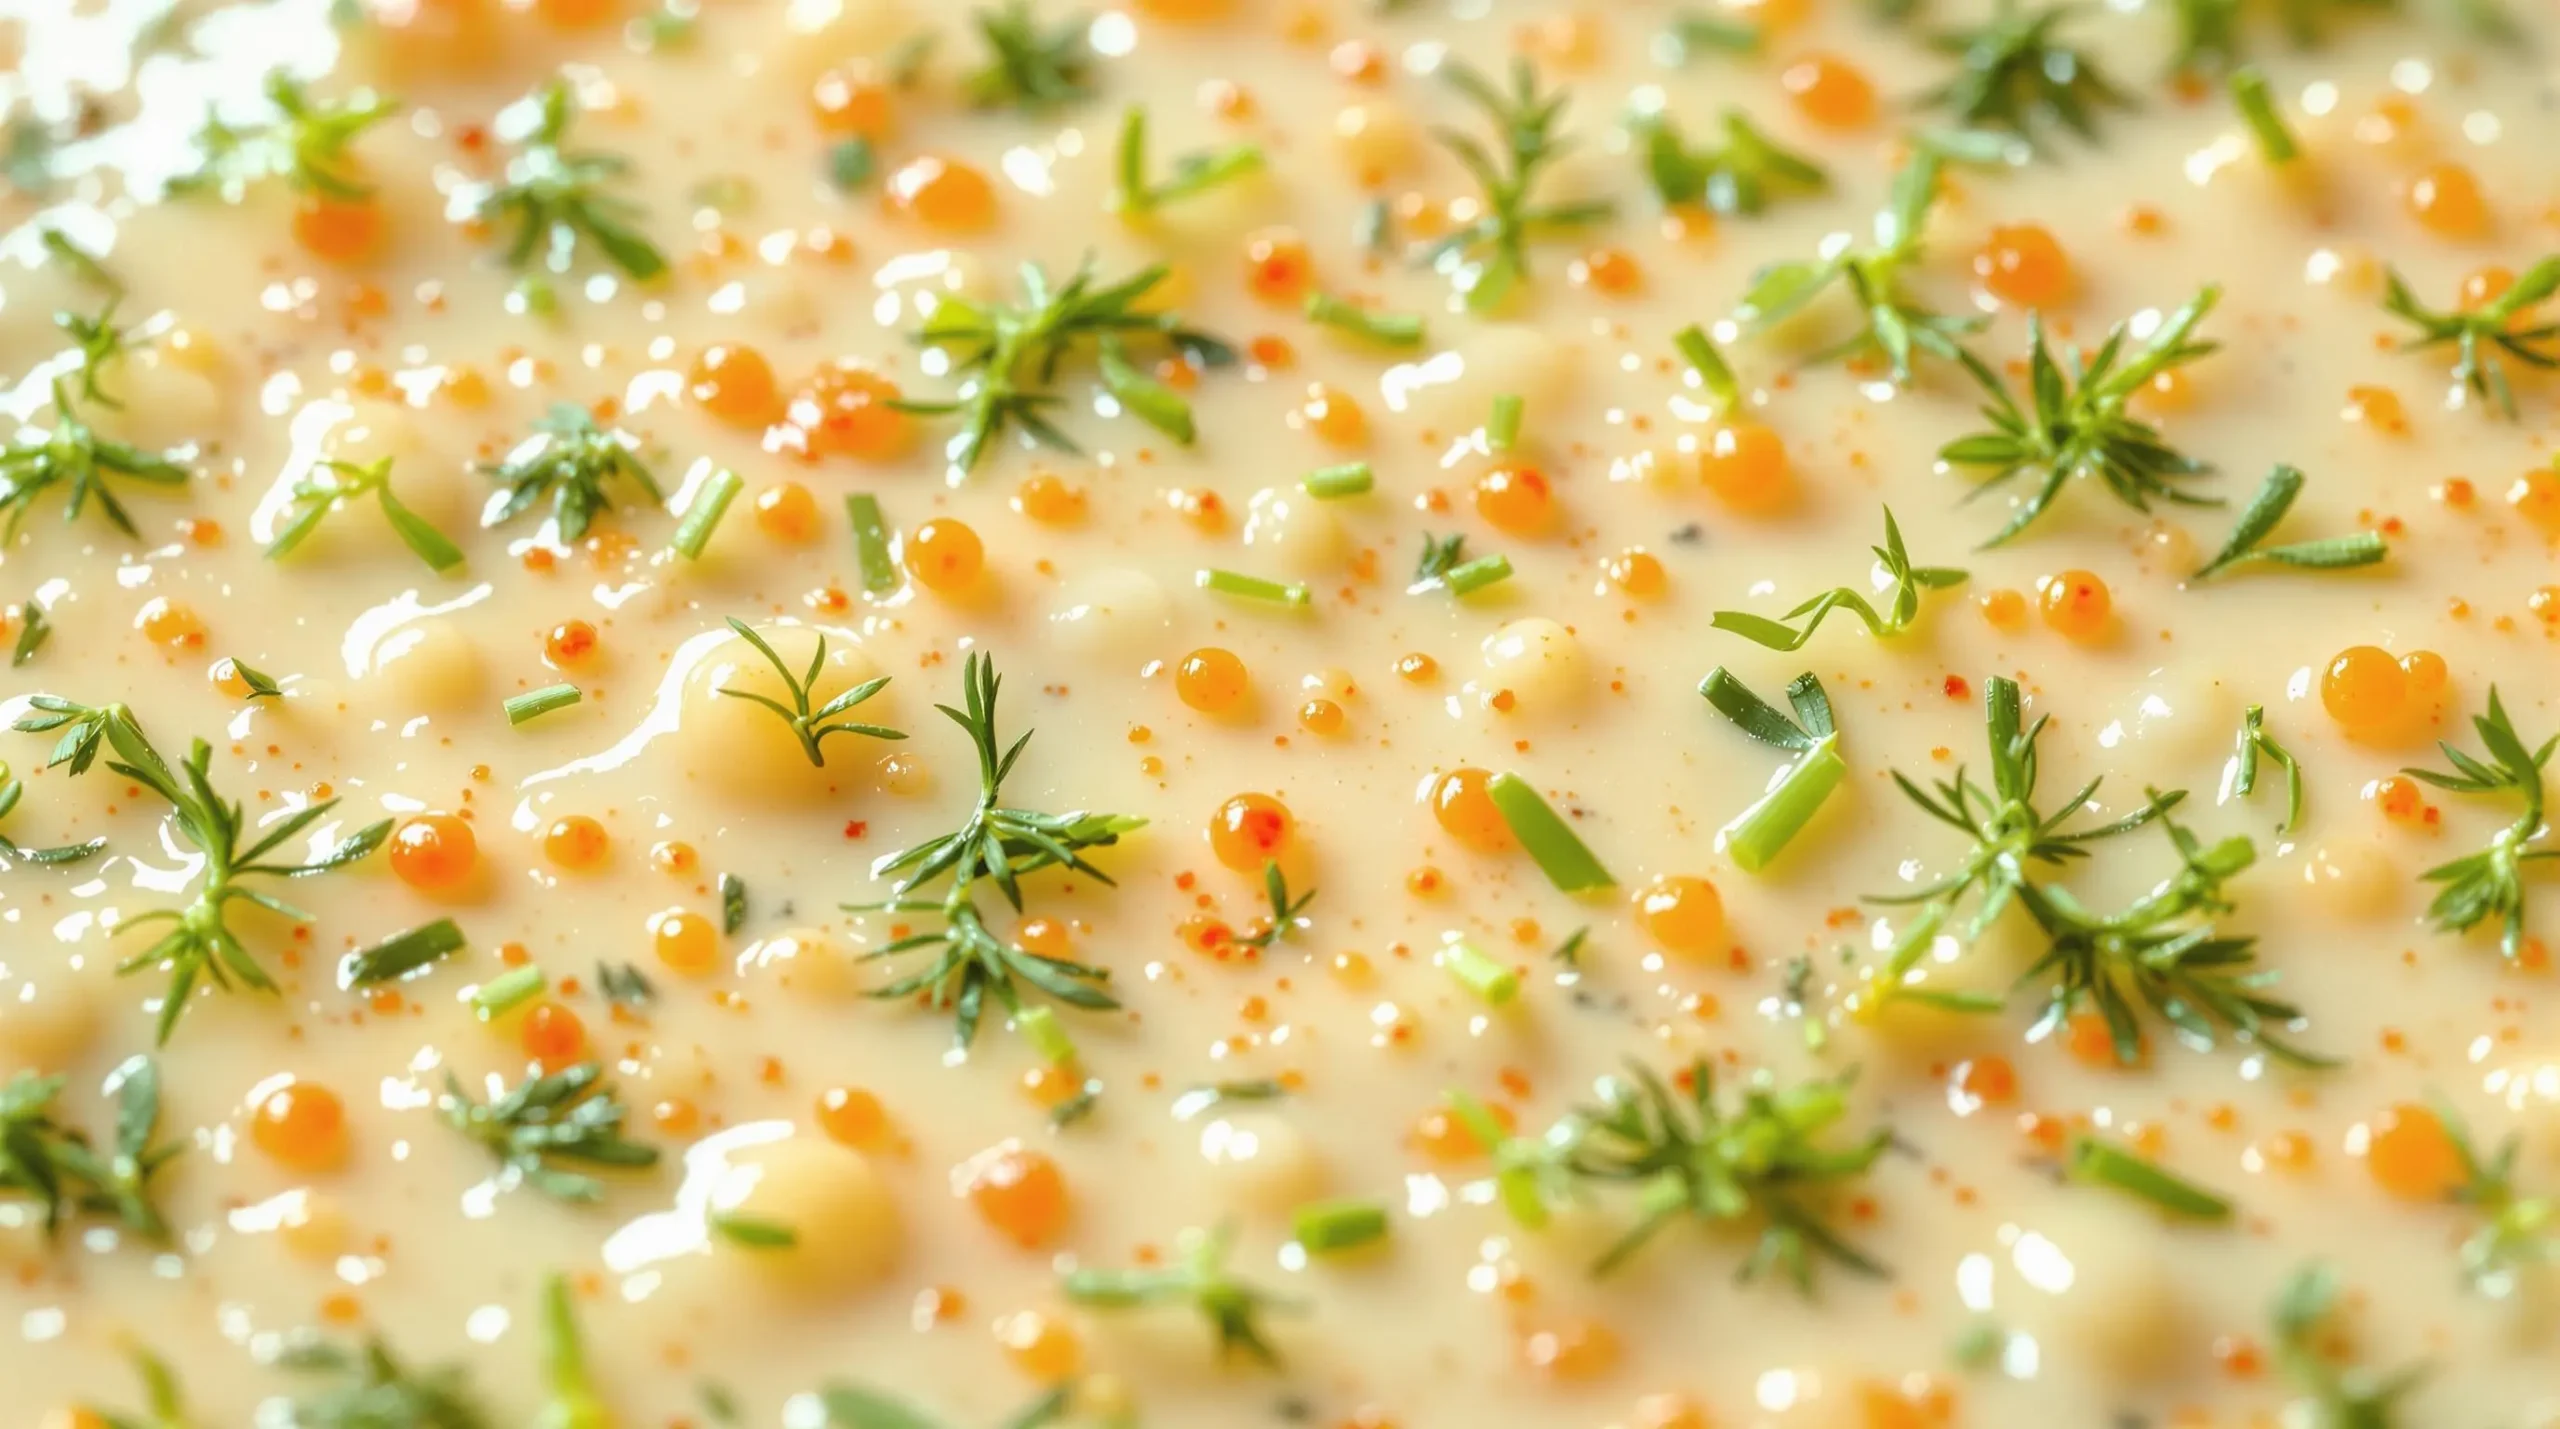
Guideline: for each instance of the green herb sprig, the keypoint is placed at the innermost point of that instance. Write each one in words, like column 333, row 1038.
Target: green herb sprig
column 556, row 199
column 2518, row 1231
column 334, row 486
column 1742, row 174
column 998, row 845
column 811, row 726
column 547, row 1125
column 2339, row 1396
column 1905, row 580
column 1890, row 325
column 570, row 1400
column 1137, row 196
column 12, row 790
column 165, row 1406
column 199, row 943
column 1287, row 914
column 2484, row 338
column 1028, row 67
column 375, row 1389
column 2076, row 424
column 1198, row 1277
column 75, row 460
column 2265, row 511
column 1761, row 831
column 62, row 1171
column 2013, row 74
column 309, row 144
column 570, row 460
column 2255, row 743
column 1489, row 258
column 99, row 342
column 2490, row 883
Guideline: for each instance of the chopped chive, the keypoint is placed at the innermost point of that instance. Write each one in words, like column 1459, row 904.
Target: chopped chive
column 507, row 991
column 542, row 702
column 1332, row 483
column 1566, row 861
column 1493, row 982
column 1145, row 398
column 1387, row 329
column 1254, row 587
column 1047, row 1035
column 1330, row 1227
column 733, row 903
column 1714, row 373
column 1757, row 834
column 1515, row 1181
column 2108, row 1165
column 851, row 164
column 1502, row 430
column 2258, row 110
column 871, row 543
column 401, row 954
column 703, row 517
column 753, row 1232
column 1475, row 575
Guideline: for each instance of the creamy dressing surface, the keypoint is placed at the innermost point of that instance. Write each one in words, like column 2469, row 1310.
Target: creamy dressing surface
column 929, row 1250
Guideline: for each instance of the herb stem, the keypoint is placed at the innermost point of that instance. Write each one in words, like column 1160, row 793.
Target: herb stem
column 508, row 991
column 1492, row 981
column 2258, row 110
column 1332, row 1227
column 703, row 516
column 1333, row 483
column 2107, row 1164
column 871, row 543
column 537, row 703
column 1757, row 833
column 1712, row 371
column 1235, row 583
column 1560, row 853
column 1475, row 575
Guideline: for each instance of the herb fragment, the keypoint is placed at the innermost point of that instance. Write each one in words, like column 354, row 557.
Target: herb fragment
column 570, row 1399
column 1199, row 1099
column 1502, row 429
column 752, row 1232
column 1759, row 832
column 2254, row 743
column 1904, row 579
column 852, row 163
column 84, row 265
column 1012, row 352
column 12, row 789
column 1762, row 1162
column 401, row 954
column 1742, row 174
column 1695, row 32
column 624, row 985
column 1295, row 594
column 2259, row 519
column 508, row 991
column 2482, row 336
column 534, row 704
column 200, row 943
column 1488, row 258
column 1402, row 330
column 2013, row 75
column 1530, row 1173
column 2106, row 1164
column 1287, row 914
column 1561, row 854
column 33, row 631
column 1491, row 981
column 75, row 459
column 99, row 342
column 810, row 726
column 871, row 543
column 308, row 144
column 733, row 903
column 2490, row 883
column 2257, row 106
column 1332, row 1227
column 1708, row 366
column 2520, row 1231
column 1028, row 68
column 2339, row 1396
column 999, row 845
column 569, row 459
column 1193, row 174
column 850, row 1407
column 555, row 198
column 702, row 517
column 376, row 1390
column 1891, row 326
column 2079, row 427
column 58, row 1169
column 335, row 485
column 1198, row 1277
column 166, row 1406
column 1335, row 483
column 546, row 1125
column 1445, row 566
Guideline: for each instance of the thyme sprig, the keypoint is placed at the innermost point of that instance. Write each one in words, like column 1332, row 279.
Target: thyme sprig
column 1198, row 1276
column 2484, row 338
column 2490, row 883
column 2078, row 426
column 1763, row 1162
column 99, row 342
column 997, row 845
column 556, row 198
column 1891, row 326
column 72, row 457
column 2339, row 1396
column 1487, row 259
column 335, row 485
column 569, row 459
column 548, row 1124
column 1742, row 174
column 1029, row 67
column 1894, row 573
column 1287, row 914
column 62, row 1171
column 1011, row 354
column 810, row 726
column 2259, row 520
column 12, row 790
column 2013, row 74
column 376, row 1390
column 309, row 144
column 199, row 944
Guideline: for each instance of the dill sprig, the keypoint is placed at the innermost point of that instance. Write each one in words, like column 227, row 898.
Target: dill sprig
column 1489, row 258
column 98, row 341
column 2482, row 336
column 1762, row 1162
column 810, row 726
column 996, row 845
column 568, row 458
column 2340, row 1396
column 60, row 1170
column 555, row 198
column 2519, row 1230
column 376, row 1390
column 548, row 1124
column 1287, row 914
column 2014, row 75
column 1896, row 574
column 199, row 944
column 1741, row 174
column 1012, row 352
column 1198, row 1277
column 2256, row 743
column 335, row 485
column 308, row 144
column 2490, row 883
column 2259, row 520
column 74, row 458
column 13, row 789
column 1890, row 326
column 850, row 1406
column 2078, row 426
column 1028, row 67
column 1137, row 195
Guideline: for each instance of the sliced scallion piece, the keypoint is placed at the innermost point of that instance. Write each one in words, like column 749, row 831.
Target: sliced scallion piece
column 2258, row 110
column 1491, row 980
column 1247, row 587
column 1385, row 329
column 1713, row 372
column 537, row 703
column 1333, row 483
column 2105, row 1164
column 1757, row 833
column 1048, row 1036
column 1331, row 1227
column 1502, row 430
column 1469, row 577
column 1561, row 854
column 508, row 991
column 703, row 516
column 871, row 543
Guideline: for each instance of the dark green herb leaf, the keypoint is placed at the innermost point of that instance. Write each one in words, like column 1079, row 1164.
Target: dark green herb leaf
column 555, row 198
column 2265, row 511
column 401, row 954
column 2105, row 1164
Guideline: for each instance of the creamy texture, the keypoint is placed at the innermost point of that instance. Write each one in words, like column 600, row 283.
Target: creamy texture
column 264, row 358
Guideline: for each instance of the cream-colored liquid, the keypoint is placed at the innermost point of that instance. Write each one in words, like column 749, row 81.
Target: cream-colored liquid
column 394, row 678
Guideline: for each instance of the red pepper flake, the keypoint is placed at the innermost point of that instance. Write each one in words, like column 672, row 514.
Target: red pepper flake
column 856, row 828
column 1956, row 688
